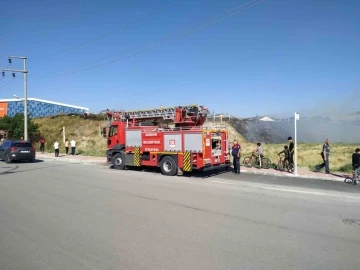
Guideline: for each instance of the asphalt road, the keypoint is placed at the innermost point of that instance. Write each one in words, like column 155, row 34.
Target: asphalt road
column 72, row 216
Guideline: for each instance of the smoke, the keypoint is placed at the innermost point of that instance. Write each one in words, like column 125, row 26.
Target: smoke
column 310, row 130
column 333, row 107
column 318, row 129
column 329, row 118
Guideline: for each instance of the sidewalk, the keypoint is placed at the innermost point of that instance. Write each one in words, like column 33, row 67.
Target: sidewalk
column 302, row 173
column 75, row 158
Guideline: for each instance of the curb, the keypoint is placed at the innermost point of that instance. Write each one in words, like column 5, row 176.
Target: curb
column 296, row 176
column 90, row 161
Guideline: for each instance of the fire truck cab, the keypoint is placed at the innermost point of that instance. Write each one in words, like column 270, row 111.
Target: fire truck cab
column 140, row 138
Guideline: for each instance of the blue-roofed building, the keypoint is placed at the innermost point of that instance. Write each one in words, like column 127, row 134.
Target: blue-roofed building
column 38, row 108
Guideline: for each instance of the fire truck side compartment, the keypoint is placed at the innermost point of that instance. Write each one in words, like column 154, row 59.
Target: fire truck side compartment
column 133, row 138
column 172, row 142
column 193, row 142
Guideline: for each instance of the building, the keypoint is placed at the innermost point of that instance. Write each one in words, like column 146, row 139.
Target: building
column 267, row 119
column 38, row 108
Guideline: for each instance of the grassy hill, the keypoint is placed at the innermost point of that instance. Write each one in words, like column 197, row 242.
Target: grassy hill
column 86, row 133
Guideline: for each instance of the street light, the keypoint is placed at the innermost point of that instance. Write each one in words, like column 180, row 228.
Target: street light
column 296, row 118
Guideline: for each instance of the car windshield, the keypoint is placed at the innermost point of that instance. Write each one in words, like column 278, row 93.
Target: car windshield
column 22, row 144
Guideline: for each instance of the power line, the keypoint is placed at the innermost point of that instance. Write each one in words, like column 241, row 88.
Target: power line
column 151, row 42
column 6, row 83
column 113, row 31
column 3, row 77
column 234, row 10
column 162, row 90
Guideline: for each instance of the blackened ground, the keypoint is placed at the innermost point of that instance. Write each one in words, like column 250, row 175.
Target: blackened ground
column 311, row 130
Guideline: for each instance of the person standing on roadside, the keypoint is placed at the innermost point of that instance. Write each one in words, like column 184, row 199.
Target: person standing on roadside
column 67, row 146
column 42, row 145
column 236, row 151
column 325, row 154
column 356, row 165
column 73, row 146
column 291, row 149
column 56, row 147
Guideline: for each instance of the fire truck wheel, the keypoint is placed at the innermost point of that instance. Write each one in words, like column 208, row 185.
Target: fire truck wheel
column 118, row 161
column 168, row 166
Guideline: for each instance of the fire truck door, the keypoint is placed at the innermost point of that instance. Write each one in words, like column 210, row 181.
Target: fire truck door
column 113, row 136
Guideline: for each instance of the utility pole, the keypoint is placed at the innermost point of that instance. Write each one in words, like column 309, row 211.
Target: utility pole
column 296, row 118
column 25, row 72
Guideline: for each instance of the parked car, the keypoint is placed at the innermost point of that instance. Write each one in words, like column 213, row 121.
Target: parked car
column 12, row 150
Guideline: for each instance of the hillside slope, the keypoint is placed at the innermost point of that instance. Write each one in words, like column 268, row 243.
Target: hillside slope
column 86, row 132
column 233, row 133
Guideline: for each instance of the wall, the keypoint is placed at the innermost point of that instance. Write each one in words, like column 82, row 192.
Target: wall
column 39, row 109
column 3, row 108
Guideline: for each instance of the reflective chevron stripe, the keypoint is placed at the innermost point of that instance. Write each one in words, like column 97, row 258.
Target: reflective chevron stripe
column 187, row 162
column 137, row 161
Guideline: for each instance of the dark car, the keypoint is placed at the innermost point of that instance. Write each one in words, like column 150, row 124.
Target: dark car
column 17, row 150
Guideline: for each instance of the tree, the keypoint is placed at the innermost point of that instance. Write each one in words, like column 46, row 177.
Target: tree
column 14, row 125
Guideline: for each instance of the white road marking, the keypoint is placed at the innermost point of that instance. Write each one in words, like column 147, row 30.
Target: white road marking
column 298, row 191
column 292, row 190
column 220, row 182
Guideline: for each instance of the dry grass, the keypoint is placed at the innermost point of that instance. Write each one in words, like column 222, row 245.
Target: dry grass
column 90, row 142
column 308, row 154
column 84, row 131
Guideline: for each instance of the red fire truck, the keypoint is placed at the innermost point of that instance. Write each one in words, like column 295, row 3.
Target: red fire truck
column 145, row 138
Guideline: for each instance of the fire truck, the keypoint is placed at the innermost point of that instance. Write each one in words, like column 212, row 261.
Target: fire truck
column 171, row 138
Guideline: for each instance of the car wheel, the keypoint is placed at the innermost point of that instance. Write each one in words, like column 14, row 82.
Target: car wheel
column 118, row 161
column 168, row 166
column 7, row 159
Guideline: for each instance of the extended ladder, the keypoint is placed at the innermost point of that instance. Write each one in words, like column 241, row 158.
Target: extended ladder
column 165, row 113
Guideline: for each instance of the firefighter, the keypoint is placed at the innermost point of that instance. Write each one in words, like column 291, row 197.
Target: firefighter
column 236, row 151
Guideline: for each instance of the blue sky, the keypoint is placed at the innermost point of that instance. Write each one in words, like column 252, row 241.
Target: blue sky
column 275, row 58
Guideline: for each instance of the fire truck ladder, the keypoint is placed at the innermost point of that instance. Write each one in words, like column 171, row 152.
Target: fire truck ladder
column 166, row 113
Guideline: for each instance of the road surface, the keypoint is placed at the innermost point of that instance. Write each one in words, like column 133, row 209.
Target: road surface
column 57, row 215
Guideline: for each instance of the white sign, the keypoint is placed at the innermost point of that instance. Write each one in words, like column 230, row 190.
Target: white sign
column 171, row 143
column 297, row 116
column 150, row 134
column 151, row 142
column 151, row 150
column 207, row 142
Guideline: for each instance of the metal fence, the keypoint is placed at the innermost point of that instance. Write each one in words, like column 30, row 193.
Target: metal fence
column 220, row 117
